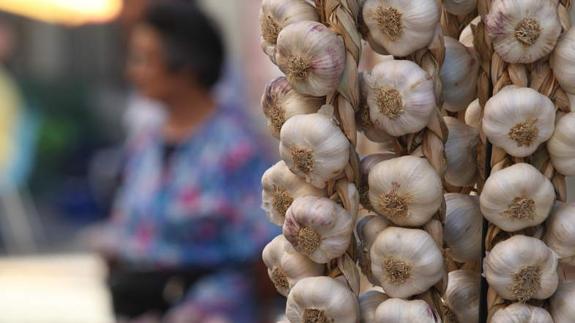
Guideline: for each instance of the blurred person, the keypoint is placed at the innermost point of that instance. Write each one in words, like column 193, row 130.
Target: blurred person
column 187, row 227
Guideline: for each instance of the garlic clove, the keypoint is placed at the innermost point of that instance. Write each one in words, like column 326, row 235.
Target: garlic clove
column 312, row 57
column 314, row 147
column 463, row 227
column 562, row 303
column 560, row 234
column 561, row 146
column 368, row 303
column 522, row 268
column 406, row 262
column 461, row 153
column 280, row 188
column 462, row 295
column 518, row 120
column 459, row 7
column 406, row 190
column 458, row 75
column 397, row 310
column 400, row 27
column 473, row 115
column 318, row 228
column 562, row 59
column 401, row 97
column 517, row 197
column 321, row 299
column 521, row 313
column 523, row 31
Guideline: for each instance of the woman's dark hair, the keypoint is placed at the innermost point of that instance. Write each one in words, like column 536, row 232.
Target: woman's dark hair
column 191, row 41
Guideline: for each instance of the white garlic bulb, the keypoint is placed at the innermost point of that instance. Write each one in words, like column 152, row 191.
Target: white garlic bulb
column 280, row 188
column 365, row 166
column 518, row 120
column 561, row 146
column 363, row 117
column 368, row 303
column 397, row 310
column 521, row 313
column 462, row 295
column 560, row 234
column 459, row 7
column 562, row 59
column 523, row 31
column 406, row 261
column 314, row 147
column 461, row 153
column 401, row 27
column 280, row 102
column 406, row 190
column 521, row 268
column 318, row 228
column 321, row 299
column 276, row 14
column 368, row 228
column 463, row 227
column 517, row 197
column 285, row 266
column 473, row 114
column 312, row 57
column 562, row 303
column 458, row 75
column 401, row 97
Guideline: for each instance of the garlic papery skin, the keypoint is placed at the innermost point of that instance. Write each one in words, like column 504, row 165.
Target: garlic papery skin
column 466, row 37
column 461, row 153
column 276, row 14
column 406, row 262
column 522, row 268
column 561, row 146
column 321, row 300
column 473, row 115
column 311, row 56
column 523, row 31
column 400, row 27
column 314, row 147
column 280, row 102
column 397, row 310
column 560, row 233
column 318, row 228
column 458, row 75
column 522, row 313
column 400, row 96
column 562, row 60
column 518, row 120
column 280, row 188
column 462, row 295
column 285, row 266
column 406, row 190
column 368, row 303
column 463, row 227
column 368, row 228
column 517, row 197
column 562, row 309
column 459, row 7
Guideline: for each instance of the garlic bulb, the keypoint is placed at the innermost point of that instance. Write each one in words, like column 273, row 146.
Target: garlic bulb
column 401, row 97
column 560, row 235
column 276, row 14
column 521, row 268
column 463, row 227
column 517, row 197
column 459, row 7
column 363, row 118
column 562, row 59
column 280, row 102
column 312, row 57
column 280, row 188
column 406, row 190
column 561, row 146
column 458, row 75
column 285, row 266
column 401, row 27
column 322, row 300
column 518, row 120
column 313, row 147
column 318, row 228
column 461, row 153
column 368, row 228
column 462, row 295
column 406, row 261
column 523, row 31
column 473, row 115
column 562, row 308
column 522, row 313
column 368, row 303
column 365, row 166
column 397, row 310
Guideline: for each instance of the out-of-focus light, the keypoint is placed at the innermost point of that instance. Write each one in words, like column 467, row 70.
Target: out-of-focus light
column 68, row 12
